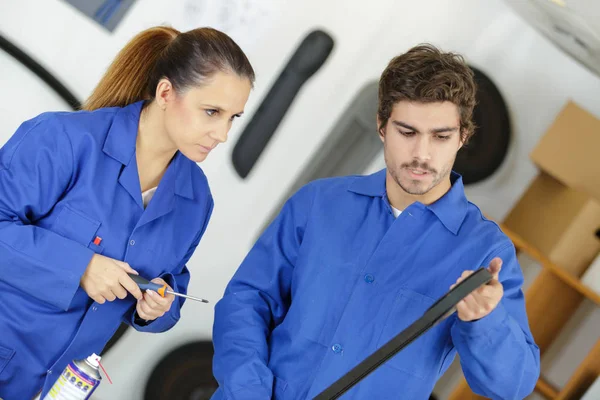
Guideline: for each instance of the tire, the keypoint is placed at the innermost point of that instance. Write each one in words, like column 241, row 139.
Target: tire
column 488, row 147
column 183, row 374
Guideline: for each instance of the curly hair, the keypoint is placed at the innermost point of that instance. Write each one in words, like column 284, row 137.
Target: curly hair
column 425, row 74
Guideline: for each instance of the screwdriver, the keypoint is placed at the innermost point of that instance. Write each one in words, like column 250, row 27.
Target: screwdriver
column 145, row 284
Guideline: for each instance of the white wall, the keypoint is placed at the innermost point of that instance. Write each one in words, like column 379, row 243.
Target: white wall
column 535, row 77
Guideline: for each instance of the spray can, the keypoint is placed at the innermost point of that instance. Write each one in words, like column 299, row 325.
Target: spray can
column 78, row 380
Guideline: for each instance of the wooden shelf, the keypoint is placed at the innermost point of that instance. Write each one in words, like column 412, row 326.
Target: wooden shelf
column 584, row 376
column 565, row 276
column 546, row 315
column 546, row 389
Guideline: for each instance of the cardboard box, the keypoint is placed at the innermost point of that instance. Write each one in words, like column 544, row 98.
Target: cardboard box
column 570, row 150
column 559, row 221
column 559, row 213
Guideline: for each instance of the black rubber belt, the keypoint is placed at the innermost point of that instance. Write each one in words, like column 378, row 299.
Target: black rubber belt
column 442, row 308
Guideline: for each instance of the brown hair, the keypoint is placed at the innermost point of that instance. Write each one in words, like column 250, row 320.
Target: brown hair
column 185, row 59
column 425, row 74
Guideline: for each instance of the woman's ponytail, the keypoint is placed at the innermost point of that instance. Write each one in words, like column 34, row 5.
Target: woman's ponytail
column 127, row 78
column 186, row 59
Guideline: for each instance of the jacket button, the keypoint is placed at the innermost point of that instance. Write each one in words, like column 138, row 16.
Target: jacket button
column 94, row 308
column 132, row 242
column 337, row 348
column 369, row 278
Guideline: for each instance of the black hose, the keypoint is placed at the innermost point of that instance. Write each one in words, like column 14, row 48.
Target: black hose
column 309, row 56
column 40, row 71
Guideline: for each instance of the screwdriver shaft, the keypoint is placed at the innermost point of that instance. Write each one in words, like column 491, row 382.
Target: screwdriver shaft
column 187, row 296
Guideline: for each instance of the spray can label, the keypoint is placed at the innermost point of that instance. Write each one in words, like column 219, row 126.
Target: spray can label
column 73, row 384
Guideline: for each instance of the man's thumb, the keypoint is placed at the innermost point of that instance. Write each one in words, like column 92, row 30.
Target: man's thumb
column 495, row 267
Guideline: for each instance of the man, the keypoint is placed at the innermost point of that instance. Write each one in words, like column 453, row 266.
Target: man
column 352, row 261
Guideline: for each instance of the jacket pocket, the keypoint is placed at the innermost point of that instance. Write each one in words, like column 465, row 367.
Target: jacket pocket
column 421, row 357
column 6, row 355
column 75, row 225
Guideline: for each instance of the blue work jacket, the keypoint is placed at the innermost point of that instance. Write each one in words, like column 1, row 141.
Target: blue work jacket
column 336, row 276
column 69, row 188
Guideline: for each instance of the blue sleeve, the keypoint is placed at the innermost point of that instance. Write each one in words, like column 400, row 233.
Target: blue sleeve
column 255, row 301
column 498, row 355
column 36, row 166
column 179, row 282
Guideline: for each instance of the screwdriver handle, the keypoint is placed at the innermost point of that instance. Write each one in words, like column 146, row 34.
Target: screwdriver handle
column 145, row 284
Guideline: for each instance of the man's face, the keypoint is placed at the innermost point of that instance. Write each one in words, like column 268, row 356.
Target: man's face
column 420, row 144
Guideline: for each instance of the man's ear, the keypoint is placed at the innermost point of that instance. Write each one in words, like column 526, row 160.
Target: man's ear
column 463, row 135
column 380, row 130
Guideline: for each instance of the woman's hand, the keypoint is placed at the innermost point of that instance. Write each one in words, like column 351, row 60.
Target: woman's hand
column 152, row 305
column 105, row 279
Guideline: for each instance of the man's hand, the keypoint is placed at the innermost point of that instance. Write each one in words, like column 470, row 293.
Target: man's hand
column 106, row 279
column 152, row 305
column 484, row 300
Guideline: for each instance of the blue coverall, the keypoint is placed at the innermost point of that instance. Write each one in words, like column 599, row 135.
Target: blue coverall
column 69, row 188
column 336, row 276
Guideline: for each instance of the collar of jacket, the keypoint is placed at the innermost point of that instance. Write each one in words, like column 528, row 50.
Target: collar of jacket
column 120, row 145
column 450, row 209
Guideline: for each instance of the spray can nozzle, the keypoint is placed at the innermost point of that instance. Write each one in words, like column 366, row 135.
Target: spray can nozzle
column 94, row 360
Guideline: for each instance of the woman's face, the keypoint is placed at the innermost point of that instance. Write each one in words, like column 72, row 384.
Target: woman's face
column 199, row 118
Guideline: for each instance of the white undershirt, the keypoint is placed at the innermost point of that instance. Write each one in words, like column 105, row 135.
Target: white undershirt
column 147, row 196
column 396, row 212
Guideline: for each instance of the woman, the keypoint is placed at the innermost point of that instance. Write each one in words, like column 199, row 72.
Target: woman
column 87, row 197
